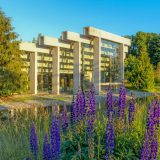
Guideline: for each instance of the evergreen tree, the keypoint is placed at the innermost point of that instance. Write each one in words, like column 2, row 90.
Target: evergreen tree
column 33, row 40
column 146, row 72
column 157, row 74
column 139, row 70
column 138, row 41
column 12, row 78
column 154, row 50
column 38, row 38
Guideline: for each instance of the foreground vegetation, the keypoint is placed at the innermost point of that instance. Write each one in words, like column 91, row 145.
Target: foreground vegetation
column 82, row 136
column 12, row 77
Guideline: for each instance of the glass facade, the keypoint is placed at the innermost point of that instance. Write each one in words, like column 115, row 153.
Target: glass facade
column 110, row 62
column 66, row 70
column 86, row 65
column 44, row 75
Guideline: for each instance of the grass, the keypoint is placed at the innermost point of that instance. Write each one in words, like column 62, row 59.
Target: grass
column 156, row 88
column 22, row 98
column 22, row 101
column 14, row 134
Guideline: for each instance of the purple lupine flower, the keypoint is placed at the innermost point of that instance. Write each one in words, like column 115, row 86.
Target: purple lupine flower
column 109, row 140
column 46, row 149
column 72, row 118
column 154, row 147
column 122, row 101
column 28, row 158
column 64, row 119
column 151, row 141
column 80, row 105
column 33, row 141
column 145, row 151
column 109, row 102
column 92, row 100
column 151, row 121
column 131, row 111
column 55, row 136
column 157, row 113
column 90, row 110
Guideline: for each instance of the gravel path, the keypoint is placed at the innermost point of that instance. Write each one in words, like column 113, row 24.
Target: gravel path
column 43, row 101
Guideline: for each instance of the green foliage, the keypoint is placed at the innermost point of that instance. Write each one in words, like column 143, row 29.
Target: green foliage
column 12, row 78
column 139, row 71
column 157, row 74
column 150, row 42
column 14, row 135
column 139, row 41
column 154, row 50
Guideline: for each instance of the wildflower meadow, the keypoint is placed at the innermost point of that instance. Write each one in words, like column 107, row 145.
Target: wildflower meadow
column 124, row 129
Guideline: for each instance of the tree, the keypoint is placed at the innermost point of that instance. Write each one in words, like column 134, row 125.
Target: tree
column 139, row 70
column 138, row 41
column 146, row 72
column 12, row 78
column 154, row 50
column 39, row 37
column 33, row 40
column 157, row 73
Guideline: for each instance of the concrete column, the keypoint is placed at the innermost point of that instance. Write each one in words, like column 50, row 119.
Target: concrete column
column 122, row 62
column 77, row 66
column 33, row 73
column 55, row 70
column 97, row 65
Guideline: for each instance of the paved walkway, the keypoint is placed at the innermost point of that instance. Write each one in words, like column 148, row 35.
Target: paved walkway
column 50, row 100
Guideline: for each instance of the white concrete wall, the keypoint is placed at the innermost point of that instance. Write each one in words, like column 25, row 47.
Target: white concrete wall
column 97, row 65
column 33, row 73
column 55, row 70
column 77, row 67
column 91, row 31
column 122, row 49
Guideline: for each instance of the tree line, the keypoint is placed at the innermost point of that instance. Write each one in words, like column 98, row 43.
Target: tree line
column 12, row 78
column 142, row 65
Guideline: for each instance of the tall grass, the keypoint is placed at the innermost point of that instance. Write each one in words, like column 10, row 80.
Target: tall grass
column 14, row 135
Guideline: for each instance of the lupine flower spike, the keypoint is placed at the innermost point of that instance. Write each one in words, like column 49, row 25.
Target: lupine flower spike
column 55, row 136
column 131, row 111
column 46, row 149
column 109, row 140
column 90, row 110
column 33, row 141
column 72, row 112
column 122, row 101
column 80, row 105
column 109, row 102
column 150, row 144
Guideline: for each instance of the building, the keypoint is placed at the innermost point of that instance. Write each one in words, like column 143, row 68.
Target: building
column 62, row 65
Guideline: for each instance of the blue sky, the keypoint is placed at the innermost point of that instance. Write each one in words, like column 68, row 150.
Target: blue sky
column 51, row 17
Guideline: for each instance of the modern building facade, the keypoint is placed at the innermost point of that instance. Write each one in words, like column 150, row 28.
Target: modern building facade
column 64, row 64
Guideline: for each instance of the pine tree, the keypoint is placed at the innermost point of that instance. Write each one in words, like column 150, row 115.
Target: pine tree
column 12, row 78
column 157, row 73
column 146, row 72
column 139, row 70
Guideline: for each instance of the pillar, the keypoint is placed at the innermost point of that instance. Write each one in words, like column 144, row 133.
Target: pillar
column 97, row 65
column 77, row 66
column 122, row 62
column 55, row 70
column 33, row 73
